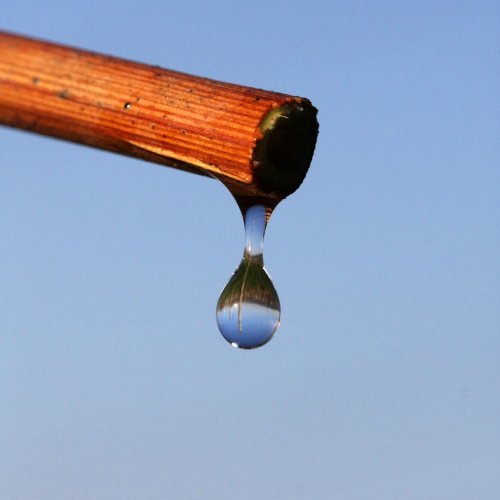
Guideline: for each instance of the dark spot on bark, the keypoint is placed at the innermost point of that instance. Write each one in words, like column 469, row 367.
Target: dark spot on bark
column 35, row 80
column 64, row 94
column 126, row 105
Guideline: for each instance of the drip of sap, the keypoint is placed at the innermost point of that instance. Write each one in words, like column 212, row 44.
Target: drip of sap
column 248, row 310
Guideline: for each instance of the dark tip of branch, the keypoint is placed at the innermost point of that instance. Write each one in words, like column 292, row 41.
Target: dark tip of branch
column 285, row 150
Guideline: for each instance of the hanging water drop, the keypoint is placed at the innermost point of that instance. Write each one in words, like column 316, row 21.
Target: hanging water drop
column 248, row 310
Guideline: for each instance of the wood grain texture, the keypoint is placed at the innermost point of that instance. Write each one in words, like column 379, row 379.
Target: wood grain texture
column 174, row 119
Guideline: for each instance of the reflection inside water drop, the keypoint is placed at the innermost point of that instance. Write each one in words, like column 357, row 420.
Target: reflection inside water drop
column 248, row 310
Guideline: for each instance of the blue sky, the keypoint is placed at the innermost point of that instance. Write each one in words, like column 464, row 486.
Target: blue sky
column 383, row 380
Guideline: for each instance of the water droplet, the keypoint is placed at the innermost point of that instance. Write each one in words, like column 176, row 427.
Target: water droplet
column 248, row 310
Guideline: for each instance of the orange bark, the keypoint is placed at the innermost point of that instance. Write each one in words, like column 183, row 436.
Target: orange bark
column 166, row 117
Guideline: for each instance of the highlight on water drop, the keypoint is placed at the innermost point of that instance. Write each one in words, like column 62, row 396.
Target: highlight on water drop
column 248, row 311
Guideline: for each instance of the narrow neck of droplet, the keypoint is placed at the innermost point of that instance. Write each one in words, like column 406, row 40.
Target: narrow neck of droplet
column 255, row 227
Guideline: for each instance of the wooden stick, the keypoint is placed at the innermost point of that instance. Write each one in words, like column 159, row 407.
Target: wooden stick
column 257, row 143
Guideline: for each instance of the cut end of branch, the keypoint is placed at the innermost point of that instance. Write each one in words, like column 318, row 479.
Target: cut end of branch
column 283, row 153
